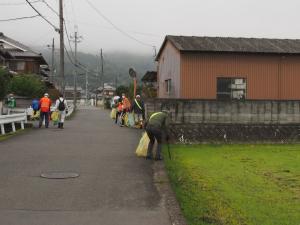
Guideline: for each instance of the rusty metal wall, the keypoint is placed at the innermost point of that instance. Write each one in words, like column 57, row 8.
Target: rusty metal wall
column 269, row 77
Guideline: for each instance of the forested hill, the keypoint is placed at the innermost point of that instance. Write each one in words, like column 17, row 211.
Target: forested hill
column 116, row 66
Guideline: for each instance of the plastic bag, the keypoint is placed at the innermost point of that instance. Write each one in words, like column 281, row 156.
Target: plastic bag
column 35, row 116
column 55, row 117
column 131, row 122
column 142, row 148
column 126, row 120
column 113, row 114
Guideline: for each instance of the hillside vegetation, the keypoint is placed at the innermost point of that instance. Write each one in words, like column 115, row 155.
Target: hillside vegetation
column 116, row 66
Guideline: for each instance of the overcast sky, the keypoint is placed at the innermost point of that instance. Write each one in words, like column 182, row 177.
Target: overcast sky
column 148, row 21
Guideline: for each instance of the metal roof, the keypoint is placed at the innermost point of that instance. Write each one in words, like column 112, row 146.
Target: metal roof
column 230, row 44
column 18, row 50
column 150, row 76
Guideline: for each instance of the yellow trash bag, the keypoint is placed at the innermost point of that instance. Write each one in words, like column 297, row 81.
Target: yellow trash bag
column 55, row 117
column 36, row 116
column 142, row 148
column 126, row 122
column 113, row 114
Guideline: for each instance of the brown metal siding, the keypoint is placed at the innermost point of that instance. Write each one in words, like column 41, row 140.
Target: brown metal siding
column 268, row 77
column 290, row 79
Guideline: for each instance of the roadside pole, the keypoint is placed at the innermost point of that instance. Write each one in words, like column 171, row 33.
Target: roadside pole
column 62, row 47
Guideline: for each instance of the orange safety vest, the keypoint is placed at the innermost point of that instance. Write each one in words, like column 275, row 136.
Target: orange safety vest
column 45, row 104
column 120, row 107
column 126, row 103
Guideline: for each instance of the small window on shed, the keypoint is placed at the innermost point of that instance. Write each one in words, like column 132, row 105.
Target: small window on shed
column 231, row 88
column 168, row 86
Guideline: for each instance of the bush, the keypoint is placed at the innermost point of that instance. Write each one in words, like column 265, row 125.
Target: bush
column 4, row 83
column 27, row 85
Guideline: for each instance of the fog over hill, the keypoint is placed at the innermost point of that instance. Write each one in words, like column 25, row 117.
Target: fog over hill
column 116, row 66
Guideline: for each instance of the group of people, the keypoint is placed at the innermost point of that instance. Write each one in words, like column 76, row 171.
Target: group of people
column 44, row 107
column 123, row 107
column 156, row 126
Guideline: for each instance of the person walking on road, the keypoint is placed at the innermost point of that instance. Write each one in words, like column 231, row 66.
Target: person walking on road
column 157, row 128
column 35, row 105
column 139, row 111
column 61, row 106
column 45, row 104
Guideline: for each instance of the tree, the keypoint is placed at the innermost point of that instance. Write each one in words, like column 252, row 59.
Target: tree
column 122, row 89
column 27, row 85
column 4, row 83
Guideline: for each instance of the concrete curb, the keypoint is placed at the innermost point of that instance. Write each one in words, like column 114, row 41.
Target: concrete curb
column 169, row 201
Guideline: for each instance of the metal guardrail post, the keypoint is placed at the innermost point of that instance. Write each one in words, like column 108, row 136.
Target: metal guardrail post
column 2, row 129
column 12, row 118
column 13, row 126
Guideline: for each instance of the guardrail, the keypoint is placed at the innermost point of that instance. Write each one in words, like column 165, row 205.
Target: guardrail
column 70, row 109
column 12, row 118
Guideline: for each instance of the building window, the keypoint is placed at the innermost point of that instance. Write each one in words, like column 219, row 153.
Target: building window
column 168, row 86
column 12, row 66
column 231, row 88
column 21, row 66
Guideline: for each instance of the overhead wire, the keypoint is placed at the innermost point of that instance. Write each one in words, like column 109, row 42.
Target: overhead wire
column 17, row 3
column 55, row 28
column 19, row 18
column 116, row 27
column 68, row 39
column 44, row 1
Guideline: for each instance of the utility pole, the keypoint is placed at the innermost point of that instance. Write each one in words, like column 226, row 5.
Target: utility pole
column 52, row 63
column 86, row 86
column 62, row 50
column 102, row 74
column 77, row 39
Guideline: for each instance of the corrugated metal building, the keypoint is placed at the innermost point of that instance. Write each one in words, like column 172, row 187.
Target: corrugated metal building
column 229, row 68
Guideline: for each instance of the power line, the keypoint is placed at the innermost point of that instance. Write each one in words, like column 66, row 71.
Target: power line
column 68, row 38
column 19, row 18
column 49, row 7
column 116, row 27
column 17, row 3
column 55, row 28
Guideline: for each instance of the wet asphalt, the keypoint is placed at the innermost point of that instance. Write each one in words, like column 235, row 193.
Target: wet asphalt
column 114, row 187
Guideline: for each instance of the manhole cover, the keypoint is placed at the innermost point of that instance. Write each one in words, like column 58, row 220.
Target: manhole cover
column 59, row 175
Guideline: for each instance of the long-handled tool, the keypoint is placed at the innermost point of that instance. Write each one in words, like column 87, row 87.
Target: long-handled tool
column 169, row 149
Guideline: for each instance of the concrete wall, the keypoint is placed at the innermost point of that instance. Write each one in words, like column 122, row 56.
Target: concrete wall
column 231, row 112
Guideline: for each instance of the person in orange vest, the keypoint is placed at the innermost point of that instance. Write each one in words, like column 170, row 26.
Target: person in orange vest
column 45, row 104
column 119, row 108
column 126, row 107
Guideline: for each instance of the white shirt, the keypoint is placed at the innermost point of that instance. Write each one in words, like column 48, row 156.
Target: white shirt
column 62, row 100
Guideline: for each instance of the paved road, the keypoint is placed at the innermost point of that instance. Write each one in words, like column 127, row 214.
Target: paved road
column 114, row 186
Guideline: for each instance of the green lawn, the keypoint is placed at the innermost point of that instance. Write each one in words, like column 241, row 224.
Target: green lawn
column 237, row 184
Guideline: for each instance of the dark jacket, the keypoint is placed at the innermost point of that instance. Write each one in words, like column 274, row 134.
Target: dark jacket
column 158, row 120
column 138, row 107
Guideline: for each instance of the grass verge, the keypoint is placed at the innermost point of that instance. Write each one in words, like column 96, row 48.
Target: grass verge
column 11, row 134
column 237, row 184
